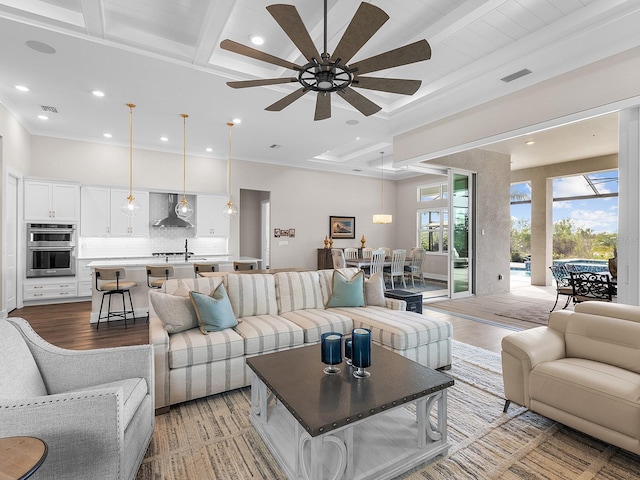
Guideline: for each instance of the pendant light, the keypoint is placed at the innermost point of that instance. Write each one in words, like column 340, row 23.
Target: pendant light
column 183, row 208
column 130, row 205
column 382, row 218
column 229, row 210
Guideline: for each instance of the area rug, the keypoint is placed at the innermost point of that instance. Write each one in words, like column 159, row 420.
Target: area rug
column 211, row 438
column 530, row 313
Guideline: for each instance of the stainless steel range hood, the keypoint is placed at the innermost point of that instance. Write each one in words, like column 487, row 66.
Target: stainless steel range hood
column 172, row 220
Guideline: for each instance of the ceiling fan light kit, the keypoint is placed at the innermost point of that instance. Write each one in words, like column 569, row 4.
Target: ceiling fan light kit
column 332, row 73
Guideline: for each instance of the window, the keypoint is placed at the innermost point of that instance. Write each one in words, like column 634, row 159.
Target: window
column 433, row 233
column 432, row 192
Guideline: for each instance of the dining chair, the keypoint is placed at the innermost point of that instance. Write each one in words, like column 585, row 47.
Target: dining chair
column 367, row 251
column 563, row 284
column 377, row 262
column 337, row 255
column 414, row 268
column 396, row 269
column 387, row 252
column 351, row 253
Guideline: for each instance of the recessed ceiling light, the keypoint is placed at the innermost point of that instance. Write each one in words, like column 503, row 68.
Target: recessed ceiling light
column 209, row 149
column 40, row 47
column 352, row 122
column 164, row 139
column 237, row 120
column 256, row 39
column 107, row 135
column 22, row 88
column 98, row 93
column 530, row 142
column 43, row 117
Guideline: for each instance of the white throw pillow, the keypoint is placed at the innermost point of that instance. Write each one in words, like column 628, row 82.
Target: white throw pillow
column 175, row 312
column 374, row 291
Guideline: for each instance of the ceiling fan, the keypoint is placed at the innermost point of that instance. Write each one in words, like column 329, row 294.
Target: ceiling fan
column 327, row 73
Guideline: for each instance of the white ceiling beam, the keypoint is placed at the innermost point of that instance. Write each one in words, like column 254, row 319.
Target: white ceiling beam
column 93, row 12
column 209, row 36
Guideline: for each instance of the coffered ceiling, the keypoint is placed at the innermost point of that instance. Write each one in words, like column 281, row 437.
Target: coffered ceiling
column 164, row 56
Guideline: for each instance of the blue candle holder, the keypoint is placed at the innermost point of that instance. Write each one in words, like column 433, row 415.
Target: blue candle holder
column 347, row 350
column 331, row 349
column 361, row 351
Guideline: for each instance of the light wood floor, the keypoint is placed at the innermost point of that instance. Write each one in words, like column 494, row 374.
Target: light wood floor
column 67, row 325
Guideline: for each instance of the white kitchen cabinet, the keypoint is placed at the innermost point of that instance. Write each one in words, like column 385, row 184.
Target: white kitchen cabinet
column 210, row 221
column 85, row 278
column 49, row 288
column 51, row 201
column 101, row 215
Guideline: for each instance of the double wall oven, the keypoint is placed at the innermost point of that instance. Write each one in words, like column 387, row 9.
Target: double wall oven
column 51, row 250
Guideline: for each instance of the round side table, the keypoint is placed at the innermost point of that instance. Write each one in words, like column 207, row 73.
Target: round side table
column 20, row 457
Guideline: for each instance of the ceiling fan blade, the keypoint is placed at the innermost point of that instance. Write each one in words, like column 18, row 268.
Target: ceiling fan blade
column 363, row 104
column 365, row 23
column 260, row 83
column 289, row 20
column 323, row 106
column 391, row 85
column 286, row 101
column 236, row 47
column 412, row 53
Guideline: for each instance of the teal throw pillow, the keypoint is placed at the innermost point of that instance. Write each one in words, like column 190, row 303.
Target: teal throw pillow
column 214, row 311
column 347, row 293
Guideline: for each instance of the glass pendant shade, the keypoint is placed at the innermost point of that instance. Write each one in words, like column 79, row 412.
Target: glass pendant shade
column 130, row 206
column 230, row 210
column 183, row 208
column 382, row 218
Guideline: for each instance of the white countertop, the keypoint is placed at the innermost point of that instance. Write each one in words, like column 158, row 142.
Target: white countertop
column 175, row 261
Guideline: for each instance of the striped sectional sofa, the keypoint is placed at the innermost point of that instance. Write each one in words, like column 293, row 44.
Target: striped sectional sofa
column 277, row 312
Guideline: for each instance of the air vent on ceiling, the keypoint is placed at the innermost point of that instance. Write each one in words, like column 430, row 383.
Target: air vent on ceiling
column 516, row 75
column 46, row 108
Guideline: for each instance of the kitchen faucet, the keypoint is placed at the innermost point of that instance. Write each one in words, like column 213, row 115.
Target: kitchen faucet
column 186, row 250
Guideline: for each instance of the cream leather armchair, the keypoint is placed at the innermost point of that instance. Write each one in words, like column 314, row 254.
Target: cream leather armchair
column 583, row 370
column 93, row 408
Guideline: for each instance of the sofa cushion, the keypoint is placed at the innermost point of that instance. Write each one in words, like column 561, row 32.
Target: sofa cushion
column 374, row 290
column 601, row 393
column 604, row 339
column 214, row 311
column 326, row 280
column 19, row 373
column 266, row 333
column 314, row 322
column 193, row 348
column 175, row 312
column 347, row 292
column 252, row 294
column 298, row 291
column 398, row 329
column 182, row 286
column 133, row 392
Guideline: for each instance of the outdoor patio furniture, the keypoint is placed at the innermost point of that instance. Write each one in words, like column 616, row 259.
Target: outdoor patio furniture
column 563, row 284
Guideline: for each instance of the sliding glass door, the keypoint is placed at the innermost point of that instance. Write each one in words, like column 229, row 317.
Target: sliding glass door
column 461, row 232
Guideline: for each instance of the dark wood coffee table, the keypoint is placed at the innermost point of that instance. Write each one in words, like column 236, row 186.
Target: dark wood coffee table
column 337, row 426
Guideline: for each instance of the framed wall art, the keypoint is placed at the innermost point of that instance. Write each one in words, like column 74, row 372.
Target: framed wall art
column 342, row 227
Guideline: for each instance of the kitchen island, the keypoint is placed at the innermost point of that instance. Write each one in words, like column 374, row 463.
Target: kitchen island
column 136, row 271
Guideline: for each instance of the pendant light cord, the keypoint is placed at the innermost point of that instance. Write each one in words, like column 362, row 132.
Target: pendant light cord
column 184, row 156
column 230, row 125
column 131, row 107
column 382, row 182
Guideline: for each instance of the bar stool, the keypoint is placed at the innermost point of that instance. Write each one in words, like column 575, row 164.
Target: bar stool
column 205, row 267
column 245, row 265
column 112, row 281
column 158, row 274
